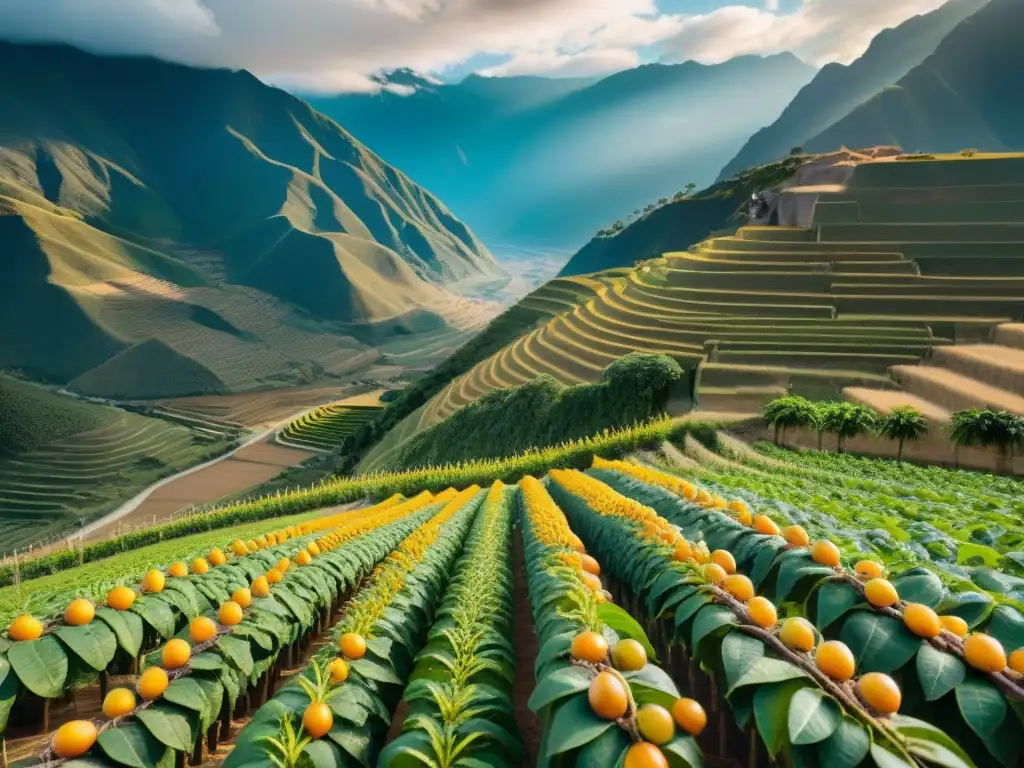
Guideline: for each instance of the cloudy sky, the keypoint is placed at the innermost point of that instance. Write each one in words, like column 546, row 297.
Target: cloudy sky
column 335, row 45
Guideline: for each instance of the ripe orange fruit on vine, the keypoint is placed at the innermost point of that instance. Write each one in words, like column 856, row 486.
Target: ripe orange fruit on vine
column 152, row 683
column 74, row 738
column 119, row 702
column 284, row 564
column 352, row 645
column 202, row 629
column 242, row 596
column 590, row 565
column 644, row 755
column 176, row 654
column 313, row 549
column 984, row 653
column 303, row 558
column 881, row 593
column 317, row 719
column 153, row 581
column 725, row 559
column 217, row 557
column 921, row 620
column 682, row 551
column 1016, row 661
column 690, row 716
column 260, row 587
column 796, row 536
column 739, row 586
column 239, row 548
column 762, row 612
column 607, row 696
column 865, row 570
column 879, row 692
column 764, row 524
column 824, row 552
column 79, row 612
column 954, row 624
column 714, row 573
column 629, row 656
column 797, row 634
column 261, row 541
column 655, row 723
column 230, row 613
column 121, row 598
column 338, row 670
column 251, row 545
column 836, row 660
column 177, row 570
column 274, row 576
column 592, row 581
column 200, row 566
column 25, row 627
column 589, row 646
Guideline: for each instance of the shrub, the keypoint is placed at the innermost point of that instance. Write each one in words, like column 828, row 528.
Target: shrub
column 903, row 423
column 790, row 412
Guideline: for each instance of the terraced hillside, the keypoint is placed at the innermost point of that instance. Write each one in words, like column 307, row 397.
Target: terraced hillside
column 324, row 428
column 905, row 258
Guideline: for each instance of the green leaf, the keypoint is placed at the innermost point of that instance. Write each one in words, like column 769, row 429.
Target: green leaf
column 982, row 705
column 708, row 621
column 1007, row 626
column 683, row 752
column 652, row 685
column 846, row 747
column 625, row 626
column 237, row 651
column 813, row 716
column 835, row 598
column 157, row 614
column 739, row 652
column 41, row 665
column 771, row 712
column 127, row 626
column 768, row 670
column 608, row 749
column 885, row 759
column 374, row 670
column 574, row 725
column 557, row 685
column 919, row 585
column 879, row 643
column 355, row 741
column 927, row 741
column 94, row 643
column 186, row 692
column 937, row 671
column 170, row 724
column 132, row 745
column 323, row 754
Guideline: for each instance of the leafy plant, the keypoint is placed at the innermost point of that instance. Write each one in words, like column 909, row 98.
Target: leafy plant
column 902, row 423
column 1001, row 429
column 790, row 412
column 846, row 420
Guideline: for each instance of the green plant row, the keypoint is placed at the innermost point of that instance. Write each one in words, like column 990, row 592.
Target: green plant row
column 459, row 696
column 210, row 685
column 563, row 607
column 938, row 685
column 803, row 717
column 392, row 613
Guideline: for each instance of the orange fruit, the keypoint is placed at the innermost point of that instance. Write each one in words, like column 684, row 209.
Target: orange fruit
column 260, row 587
column 764, row 524
column 644, row 755
column 954, row 624
column 118, row 702
column 251, row 545
column 797, row 634
column 921, row 620
column 242, row 596
column 879, row 692
column 655, row 723
column 865, row 570
column 74, row 738
column 339, row 671
column 79, row 612
column 303, row 558
column 592, row 581
column 121, row 598
column 836, row 660
column 1016, row 661
column 230, row 613
column 824, row 552
column 176, row 654
column 984, row 653
column 690, row 716
column 239, row 548
column 177, row 570
column 317, row 719
column 762, row 612
column 25, row 627
column 739, row 586
column 261, row 542
column 352, row 645
column 153, row 581
column 725, row 559
column 590, row 565
column 200, row 566
column 274, row 576
column 575, row 543
column 682, row 551
column 152, row 683
column 607, row 696
column 589, row 646
column 881, row 593
column 202, row 629
column 629, row 656
column 313, row 549
column 714, row 574
column 216, row 557
column 796, row 536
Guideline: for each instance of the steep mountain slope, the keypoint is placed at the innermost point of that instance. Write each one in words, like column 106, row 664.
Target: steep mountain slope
column 966, row 94
column 837, row 88
column 551, row 161
column 248, row 234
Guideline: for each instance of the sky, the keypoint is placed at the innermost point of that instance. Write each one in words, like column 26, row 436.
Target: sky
column 326, row 46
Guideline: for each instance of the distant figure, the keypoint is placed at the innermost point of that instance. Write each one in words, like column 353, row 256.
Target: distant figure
column 759, row 206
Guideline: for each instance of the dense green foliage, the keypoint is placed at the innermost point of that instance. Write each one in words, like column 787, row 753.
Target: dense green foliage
column 544, row 411
column 31, row 416
column 987, row 429
column 901, row 424
column 790, row 412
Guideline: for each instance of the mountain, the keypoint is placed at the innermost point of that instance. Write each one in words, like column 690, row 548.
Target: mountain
column 838, row 88
column 202, row 224
column 967, row 94
column 529, row 159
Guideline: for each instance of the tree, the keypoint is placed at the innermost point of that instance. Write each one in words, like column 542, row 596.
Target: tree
column 788, row 413
column 986, row 429
column 847, row 420
column 797, row 151
column 904, row 422
column 690, row 187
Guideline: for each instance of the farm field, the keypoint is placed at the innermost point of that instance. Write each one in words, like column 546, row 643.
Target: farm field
column 656, row 584
column 324, row 428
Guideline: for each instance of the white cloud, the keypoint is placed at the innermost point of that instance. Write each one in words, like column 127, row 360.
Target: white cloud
column 597, row 61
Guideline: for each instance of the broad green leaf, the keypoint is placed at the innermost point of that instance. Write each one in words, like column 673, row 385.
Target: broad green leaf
column 813, row 716
column 127, row 626
column 374, row 670
column 652, row 685
column 1007, row 626
column 608, row 749
column 132, row 745
column 768, row 670
column 557, row 685
column 708, row 621
column 237, row 651
column 982, row 705
column 156, row 613
column 835, row 598
column 934, row 745
column 625, row 626
column 884, row 758
column 739, row 652
column 919, row 585
column 879, row 643
column 574, row 725
column 937, row 671
column 354, row 741
column 846, row 747
column 94, row 643
column 186, row 692
column 170, row 724
column 41, row 665
column 771, row 712
column 683, row 752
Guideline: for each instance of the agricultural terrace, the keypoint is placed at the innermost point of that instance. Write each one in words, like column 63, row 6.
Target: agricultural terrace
column 665, row 619
column 323, row 429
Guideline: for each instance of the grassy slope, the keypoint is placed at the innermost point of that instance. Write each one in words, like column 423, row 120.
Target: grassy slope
column 31, row 416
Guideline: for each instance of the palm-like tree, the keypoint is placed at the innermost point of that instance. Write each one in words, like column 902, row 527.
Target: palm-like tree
column 847, row 420
column 988, row 428
column 903, row 423
column 790, row 412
